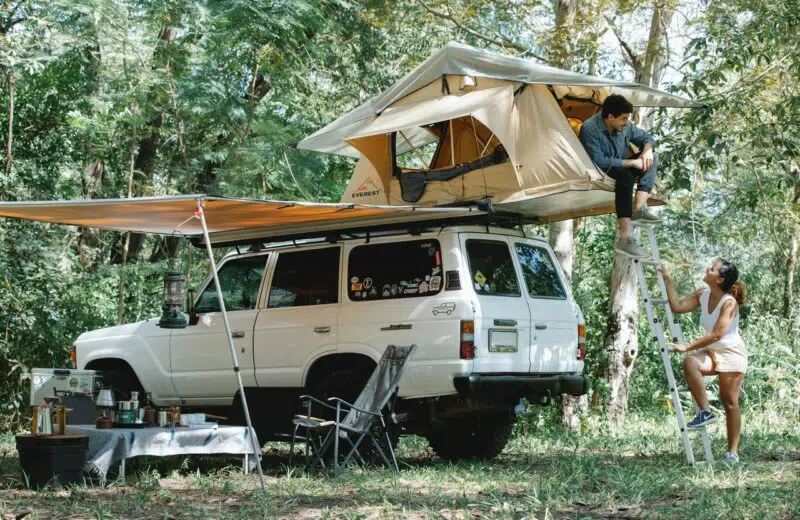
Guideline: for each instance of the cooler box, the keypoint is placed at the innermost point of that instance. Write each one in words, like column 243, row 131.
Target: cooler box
column 52, row 382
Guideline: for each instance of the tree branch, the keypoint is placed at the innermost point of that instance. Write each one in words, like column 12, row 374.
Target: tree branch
column 633, row 59
column 472, row 32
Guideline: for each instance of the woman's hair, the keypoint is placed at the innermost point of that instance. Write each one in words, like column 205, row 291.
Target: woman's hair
column 730, row 283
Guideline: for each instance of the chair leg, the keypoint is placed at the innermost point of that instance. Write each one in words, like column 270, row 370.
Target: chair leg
column 377, row 446
column 391, row 451
column 291, row 446
column 354, row 450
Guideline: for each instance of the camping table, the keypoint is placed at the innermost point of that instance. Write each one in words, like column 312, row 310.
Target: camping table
column 109, row 446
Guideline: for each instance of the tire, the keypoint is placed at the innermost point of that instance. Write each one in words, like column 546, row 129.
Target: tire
column 122, row 380
column 477, row 437
column 343, row 382
column 347, row 383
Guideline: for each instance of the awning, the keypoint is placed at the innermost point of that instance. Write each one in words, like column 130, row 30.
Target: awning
column 228, row 219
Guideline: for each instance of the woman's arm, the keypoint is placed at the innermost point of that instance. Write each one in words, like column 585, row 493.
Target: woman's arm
column 676, row 303
column 726, row 314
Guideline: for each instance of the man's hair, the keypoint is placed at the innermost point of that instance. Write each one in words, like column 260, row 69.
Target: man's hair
column 616, row 105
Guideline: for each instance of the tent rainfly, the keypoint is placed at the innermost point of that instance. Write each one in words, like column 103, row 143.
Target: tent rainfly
column 468, row 124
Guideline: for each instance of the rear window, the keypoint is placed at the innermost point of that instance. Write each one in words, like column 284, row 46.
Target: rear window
column 397, row 270
column 491, row 268
column 541, row 277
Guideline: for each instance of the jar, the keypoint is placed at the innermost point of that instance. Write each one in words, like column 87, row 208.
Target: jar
column 150, row 415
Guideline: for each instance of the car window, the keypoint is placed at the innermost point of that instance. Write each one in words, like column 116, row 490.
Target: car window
column 539, row 272
column 491, row 268
column 240, row 281
column 305, row 278
column 396, row 270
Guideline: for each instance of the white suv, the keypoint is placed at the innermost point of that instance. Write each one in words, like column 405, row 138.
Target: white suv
column 487, row 307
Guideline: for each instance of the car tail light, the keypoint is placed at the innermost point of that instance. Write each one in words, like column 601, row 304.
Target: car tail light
column 581, row 342
column 73, row 356
column 467, row 349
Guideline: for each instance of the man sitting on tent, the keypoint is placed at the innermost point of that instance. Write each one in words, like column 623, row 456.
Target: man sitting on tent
column 607, row 136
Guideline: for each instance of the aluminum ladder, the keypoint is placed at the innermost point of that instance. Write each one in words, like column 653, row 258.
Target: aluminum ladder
column 676, row 335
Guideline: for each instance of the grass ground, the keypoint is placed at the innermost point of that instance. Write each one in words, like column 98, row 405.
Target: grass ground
column 639, row 472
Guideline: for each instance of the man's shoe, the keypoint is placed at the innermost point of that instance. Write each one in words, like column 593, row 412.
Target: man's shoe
column 730, row 458
column 703, row 418
column 628, row 248
column 646, row 216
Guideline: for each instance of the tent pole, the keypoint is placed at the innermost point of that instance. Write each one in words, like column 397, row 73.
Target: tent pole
column 256, row 448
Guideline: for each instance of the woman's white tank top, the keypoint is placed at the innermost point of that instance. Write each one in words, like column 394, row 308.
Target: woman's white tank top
column 708, row 320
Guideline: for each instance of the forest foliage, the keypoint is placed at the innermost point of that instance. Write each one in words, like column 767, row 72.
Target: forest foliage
column 111, row 98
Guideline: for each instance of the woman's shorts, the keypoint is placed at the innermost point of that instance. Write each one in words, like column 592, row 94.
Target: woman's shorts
column 728, row 358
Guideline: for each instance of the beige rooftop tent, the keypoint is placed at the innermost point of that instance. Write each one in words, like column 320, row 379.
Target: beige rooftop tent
column 468, row 124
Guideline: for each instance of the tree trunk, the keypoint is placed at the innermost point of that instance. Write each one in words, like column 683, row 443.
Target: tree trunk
column 125, row 247
column 562, row 238
column 791, row 266
column 10, row 136
column 621, row 340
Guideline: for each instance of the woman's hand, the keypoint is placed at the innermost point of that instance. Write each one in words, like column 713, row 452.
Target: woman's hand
column 677, row 347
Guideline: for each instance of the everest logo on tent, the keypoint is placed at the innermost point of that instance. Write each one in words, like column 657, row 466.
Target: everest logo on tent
column 368, row 188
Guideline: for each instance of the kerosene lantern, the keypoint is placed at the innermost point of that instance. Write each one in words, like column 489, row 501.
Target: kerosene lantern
column 171, row 316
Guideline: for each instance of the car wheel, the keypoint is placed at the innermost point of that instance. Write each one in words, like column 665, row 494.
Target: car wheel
column 123, row 382
column 347, row 383
column 481, row 436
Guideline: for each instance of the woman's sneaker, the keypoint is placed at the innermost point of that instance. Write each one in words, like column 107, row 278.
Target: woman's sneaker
column 730, row 458
column 704, row 418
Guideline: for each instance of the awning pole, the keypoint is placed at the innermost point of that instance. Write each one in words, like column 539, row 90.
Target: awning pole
column 256, row 448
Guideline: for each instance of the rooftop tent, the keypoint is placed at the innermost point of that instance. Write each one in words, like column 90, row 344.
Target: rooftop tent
column 468, row 124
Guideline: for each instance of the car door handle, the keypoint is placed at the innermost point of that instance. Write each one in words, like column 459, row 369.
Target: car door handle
column 505, row 323
column 322, row 330
column 541, row 326
column 237, row 334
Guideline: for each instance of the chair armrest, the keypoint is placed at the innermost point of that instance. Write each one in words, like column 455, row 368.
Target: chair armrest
column 337, row 399
column 306, row 398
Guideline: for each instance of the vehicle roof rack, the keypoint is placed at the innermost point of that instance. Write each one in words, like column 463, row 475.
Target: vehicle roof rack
column 491, row 218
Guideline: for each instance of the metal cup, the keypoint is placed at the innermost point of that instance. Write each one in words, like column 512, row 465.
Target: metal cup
column 162, row 418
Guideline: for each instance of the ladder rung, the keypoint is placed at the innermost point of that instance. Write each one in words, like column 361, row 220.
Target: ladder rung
column 650, row 262
column 659, row 301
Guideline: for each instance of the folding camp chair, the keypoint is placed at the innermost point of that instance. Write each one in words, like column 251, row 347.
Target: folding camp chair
column 364, row 422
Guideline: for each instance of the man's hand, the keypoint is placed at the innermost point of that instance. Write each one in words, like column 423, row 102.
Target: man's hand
column 634, row 163
column 663, row 270
column 647, row 159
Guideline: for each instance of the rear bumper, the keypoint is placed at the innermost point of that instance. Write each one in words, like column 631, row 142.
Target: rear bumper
column 514, row 386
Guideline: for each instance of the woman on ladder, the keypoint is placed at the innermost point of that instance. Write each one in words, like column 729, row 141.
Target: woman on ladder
column 720, row 351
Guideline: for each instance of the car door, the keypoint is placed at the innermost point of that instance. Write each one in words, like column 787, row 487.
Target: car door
column 299, row 321
column 200, row 355
column 502, row 320
column 554, row 339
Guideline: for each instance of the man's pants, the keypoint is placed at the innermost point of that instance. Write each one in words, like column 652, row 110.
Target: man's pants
column 625, row 178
